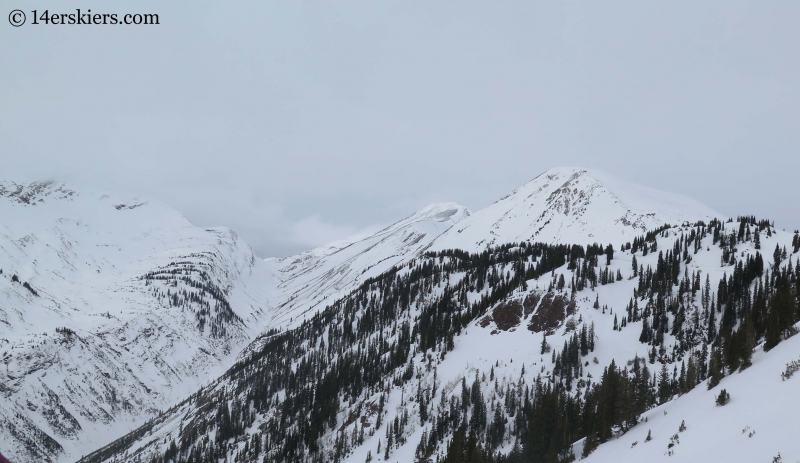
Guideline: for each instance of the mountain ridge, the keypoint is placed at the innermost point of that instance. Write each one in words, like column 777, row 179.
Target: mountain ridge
column 384, row 369
column 264, row 302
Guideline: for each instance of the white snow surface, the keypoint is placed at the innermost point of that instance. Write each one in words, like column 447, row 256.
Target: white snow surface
column 574, row 206
column 758, row 424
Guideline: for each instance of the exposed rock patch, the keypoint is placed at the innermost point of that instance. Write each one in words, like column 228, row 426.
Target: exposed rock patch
column 552, row 311
column 507, row 315
column 530, row 303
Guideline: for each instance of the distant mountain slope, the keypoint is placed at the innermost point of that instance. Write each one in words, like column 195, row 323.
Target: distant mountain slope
column 572, row 205
column 315, row 278
column 110, row 309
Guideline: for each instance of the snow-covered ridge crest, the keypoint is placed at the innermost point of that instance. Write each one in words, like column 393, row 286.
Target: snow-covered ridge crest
column 572, row 205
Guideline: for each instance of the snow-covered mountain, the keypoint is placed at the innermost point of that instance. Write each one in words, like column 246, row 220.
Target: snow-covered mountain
column 110, row 309
column 452, row 341
column 447, row 331
column 309, row 281
column 572, row 205
column 114, row 308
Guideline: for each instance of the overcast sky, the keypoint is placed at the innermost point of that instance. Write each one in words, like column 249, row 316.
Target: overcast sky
column 299, row 122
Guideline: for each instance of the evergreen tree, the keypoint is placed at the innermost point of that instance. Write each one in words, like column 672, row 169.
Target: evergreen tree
column 723, row 398
column 715, row 368
column 609, row 254
column 781, row 315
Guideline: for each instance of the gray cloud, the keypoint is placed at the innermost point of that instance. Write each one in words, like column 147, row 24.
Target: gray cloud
column 296, row 122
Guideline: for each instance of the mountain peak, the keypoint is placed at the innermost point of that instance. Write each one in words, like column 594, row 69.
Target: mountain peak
column 572, row 205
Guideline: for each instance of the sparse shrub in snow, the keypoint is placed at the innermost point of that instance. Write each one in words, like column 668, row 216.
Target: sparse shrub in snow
column 791, row 368
column 673, row 441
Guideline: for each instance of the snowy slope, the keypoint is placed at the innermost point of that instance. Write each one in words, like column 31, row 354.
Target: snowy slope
column 758, row 424
column 106, row 269
column 760, row 400
column 506, row 361
column 562, row 205
column 576, row 206
column 315, row 278
column 93, row 348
